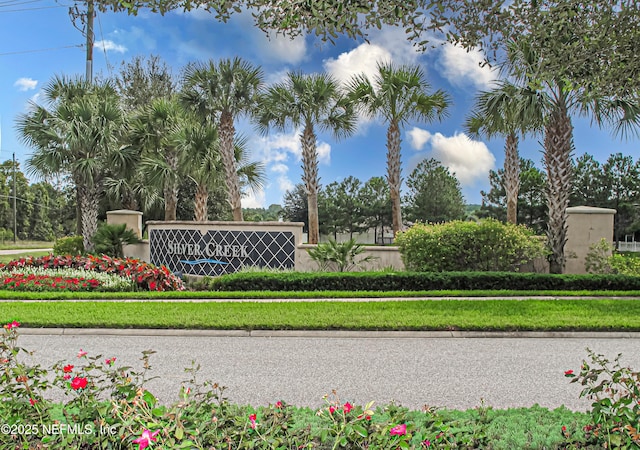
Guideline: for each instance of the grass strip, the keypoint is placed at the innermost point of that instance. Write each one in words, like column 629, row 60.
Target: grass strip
column 489, row 315
column 65, row 295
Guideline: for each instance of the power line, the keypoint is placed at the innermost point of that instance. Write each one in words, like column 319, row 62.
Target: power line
column 31, row 9
column 17, row 3
column 42, row 50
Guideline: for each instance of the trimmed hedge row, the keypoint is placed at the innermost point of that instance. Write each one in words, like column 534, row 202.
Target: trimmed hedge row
column 417, row 281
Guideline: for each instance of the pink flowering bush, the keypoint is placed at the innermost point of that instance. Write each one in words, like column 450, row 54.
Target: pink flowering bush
column 145, row 276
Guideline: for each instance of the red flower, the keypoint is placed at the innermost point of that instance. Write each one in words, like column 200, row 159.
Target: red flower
column 110, row 361
column 332, row 409
column 279, row 404
column 33, row 402
column 347, row 407
column 568, row 373
column 14, row 324
column 67, row 369
column 78, row 383
column 399, row 430
column 252, row 419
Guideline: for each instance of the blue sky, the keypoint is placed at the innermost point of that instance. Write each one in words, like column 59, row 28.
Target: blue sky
column 39, row 41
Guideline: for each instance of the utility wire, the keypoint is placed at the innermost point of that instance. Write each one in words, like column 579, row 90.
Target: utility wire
column 104, row 49
column 31, row 9
column 42, row 50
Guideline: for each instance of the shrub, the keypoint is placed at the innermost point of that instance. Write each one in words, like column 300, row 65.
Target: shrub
column 416, row 281
column 598, row 259
column 340, row 256
column 487, row 245
column 110, row 239
column 71, row 245
column 625, row 265
column 615, row 411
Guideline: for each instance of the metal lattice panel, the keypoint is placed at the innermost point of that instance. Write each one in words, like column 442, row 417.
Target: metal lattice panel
column 220, row 252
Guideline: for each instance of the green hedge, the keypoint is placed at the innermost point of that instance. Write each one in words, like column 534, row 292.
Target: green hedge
column 417, row 281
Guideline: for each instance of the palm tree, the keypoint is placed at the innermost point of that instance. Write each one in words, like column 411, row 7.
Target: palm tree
column 153, row 133
column 311, row 102
column 398, row 95
column 200, row 146
column 76, row 133
column 221, row 93
column 558, row 100
column 510, row 111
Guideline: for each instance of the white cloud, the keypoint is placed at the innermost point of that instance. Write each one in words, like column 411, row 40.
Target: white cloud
column 25, row 84
column 278, row 47
column 285, row 184
column 108, row 45
column 279, row 168
column 254, row 200
column 470, row 160
column 324, row 153
column 418, row 137
column 137, row 35
column 460, row 67
column 395, row 41
column 363, row 59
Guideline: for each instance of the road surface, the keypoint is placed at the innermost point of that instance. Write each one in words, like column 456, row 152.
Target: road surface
column 446, row 372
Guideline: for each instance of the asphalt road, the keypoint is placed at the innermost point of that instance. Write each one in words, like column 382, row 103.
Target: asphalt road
column 445, row 372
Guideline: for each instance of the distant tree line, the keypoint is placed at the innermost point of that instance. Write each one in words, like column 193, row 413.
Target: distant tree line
column 613, row 184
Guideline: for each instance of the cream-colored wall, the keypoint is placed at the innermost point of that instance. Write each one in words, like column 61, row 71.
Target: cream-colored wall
column 133, row 220
column 137, row 251
column 586, row 225
column 204, row 227
column 387, row 257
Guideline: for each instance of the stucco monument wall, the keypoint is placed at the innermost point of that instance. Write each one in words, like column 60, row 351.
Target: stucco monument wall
column 217, row 248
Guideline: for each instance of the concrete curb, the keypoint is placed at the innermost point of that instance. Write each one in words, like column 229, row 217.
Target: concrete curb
column 338, row 334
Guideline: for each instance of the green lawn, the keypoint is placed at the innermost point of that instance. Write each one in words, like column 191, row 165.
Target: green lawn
column 283, row 295
column 487, row 315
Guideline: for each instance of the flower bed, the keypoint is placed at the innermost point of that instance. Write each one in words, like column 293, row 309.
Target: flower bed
column 31, row 278
column 145, row 276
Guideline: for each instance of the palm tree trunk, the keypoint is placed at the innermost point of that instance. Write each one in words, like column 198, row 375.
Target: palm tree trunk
column 227, row 135
column 393, row 173
column 171, row 188
column 311, row 181
column 200, row 203
column 89, row 201
column 558, row 145
column 512, row 177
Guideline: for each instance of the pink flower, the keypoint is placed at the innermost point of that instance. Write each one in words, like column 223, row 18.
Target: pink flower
column 399, row 430
column 252, row 419
column 78, row 383
column 279, row 404
column 347, row 407
column 145, row 439
column 82, row 353
column 66, row 376
column 110, row 361
column 332, row 409
column 426, row 443
column 14, row 324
